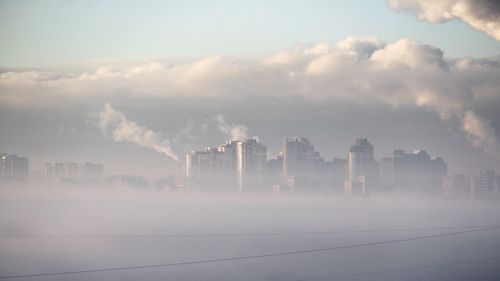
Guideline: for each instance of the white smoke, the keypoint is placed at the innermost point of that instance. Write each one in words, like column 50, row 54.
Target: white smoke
column 481, row 134
column 235, row 132
column 124, row 130
column 483, row 15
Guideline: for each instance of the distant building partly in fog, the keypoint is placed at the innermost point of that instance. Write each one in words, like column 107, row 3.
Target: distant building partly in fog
column 13, row 167
column 458, row 186
column 298, row 158
column 206, row 167
column 91, row 171
column 71, row 172
column 239, row 165
column 275, row 169
column 362, row 168
column 339, row 174
column 414, row 172
column 485, row 186
column 253, row 164
column 303, row 167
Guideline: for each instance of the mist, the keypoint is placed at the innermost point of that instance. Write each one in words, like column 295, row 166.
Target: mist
column 46, row 230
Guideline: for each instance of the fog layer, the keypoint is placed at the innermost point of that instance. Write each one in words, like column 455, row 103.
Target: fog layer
column 92, row 229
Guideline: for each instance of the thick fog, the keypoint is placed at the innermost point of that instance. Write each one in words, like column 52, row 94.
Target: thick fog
column 46, row 230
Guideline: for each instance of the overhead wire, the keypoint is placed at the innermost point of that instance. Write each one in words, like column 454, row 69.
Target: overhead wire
column 247, row 257
column 404, row 269
column 249, row 234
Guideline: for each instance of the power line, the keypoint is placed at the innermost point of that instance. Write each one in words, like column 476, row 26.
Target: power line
column 399, row 269
column 188, row 235
column 250, row 256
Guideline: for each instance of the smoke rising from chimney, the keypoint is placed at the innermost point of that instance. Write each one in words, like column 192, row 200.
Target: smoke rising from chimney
column 124, row 130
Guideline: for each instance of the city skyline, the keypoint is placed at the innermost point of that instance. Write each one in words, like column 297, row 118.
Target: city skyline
column 418, row 76
column 246, row 166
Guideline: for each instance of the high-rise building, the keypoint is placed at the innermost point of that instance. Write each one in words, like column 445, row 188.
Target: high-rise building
column 253, row 164
column 60, row 170
column 339, row 174
column 91, row 171
column 298, row 159
column 71, row 172
column 387, row 172
column 304, row 170
column 414, row 172
column 360, row 159
column 362, row 168
column 458, row 186
column 3, row 165
column 13, row 167
column 21, row 168
column 275, row 169
column 486, row 184
column 205, row 167
column 234, row 165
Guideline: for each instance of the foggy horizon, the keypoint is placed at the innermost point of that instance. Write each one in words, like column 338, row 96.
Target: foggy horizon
column 250, row 140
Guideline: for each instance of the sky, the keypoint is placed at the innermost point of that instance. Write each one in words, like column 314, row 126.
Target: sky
column 42, row 34
column 137, row 84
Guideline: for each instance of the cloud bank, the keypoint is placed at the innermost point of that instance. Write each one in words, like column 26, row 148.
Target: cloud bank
column 124, row 130
column 483, row 15
column 366, row 71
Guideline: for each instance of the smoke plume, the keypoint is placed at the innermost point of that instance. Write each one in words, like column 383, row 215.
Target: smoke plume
column 481, row 134
column 236, row 132
column 124, row 130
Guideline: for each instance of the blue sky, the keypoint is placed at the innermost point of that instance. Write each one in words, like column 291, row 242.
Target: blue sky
column 48, row 33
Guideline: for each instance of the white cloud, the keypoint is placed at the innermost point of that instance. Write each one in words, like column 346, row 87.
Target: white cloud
column 483, row 15
column 407, row 52
column 356, row 70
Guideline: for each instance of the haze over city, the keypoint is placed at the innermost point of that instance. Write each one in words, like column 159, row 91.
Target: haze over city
column 138, row 139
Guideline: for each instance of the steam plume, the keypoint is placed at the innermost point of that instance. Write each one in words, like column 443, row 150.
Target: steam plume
column 481, row 134
column 233, row 131
column 124, row 130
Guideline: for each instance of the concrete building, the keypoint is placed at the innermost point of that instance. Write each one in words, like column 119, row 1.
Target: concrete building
column 485, row 186
column 13, row 167
column 91, row 171
column 413, row 172
column 3, row 165
column 235, row 165
column 298, row 160
column 275, row 169
column 339, row 174
column 458, row 186
column 72, row 172
column 253, row 165
column 362, row 168
column 304, row 170
column 387, row 172
column 205, row 167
